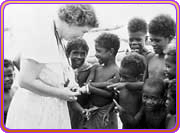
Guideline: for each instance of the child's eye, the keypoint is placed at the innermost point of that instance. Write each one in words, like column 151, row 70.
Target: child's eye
column 155, row 40
column 138, row 39
column 144, row 97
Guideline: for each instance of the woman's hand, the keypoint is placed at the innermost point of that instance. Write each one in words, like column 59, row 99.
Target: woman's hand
column 69, row 95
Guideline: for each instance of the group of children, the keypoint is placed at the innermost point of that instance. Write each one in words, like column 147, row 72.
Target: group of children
column 142, row 89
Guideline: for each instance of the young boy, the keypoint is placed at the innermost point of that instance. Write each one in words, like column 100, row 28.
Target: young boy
column 8, row 81
column 162, row 30
column 77, row 51
column 137, row 29
column 152, row 114
column 106, row 46
column 131, row 70
column 171, row 105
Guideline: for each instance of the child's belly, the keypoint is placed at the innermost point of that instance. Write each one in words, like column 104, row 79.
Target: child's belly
column 100, row 101
column 131, row 101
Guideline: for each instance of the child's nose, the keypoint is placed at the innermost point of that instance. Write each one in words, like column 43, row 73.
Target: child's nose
column 149, row 101
column 6, row 78
column 78, row 55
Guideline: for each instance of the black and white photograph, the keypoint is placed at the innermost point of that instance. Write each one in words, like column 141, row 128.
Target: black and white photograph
column 90, row 66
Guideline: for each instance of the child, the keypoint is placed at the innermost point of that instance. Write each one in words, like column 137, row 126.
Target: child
column 137, row 29
column 162, row 30
column 131, row 70
column 8, row 81
column 171, row 105
column 77, row 51
column 152, row 114
column 170, row 61
column 106, row 46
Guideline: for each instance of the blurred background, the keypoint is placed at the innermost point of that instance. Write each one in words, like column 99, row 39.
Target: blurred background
column 112, row 18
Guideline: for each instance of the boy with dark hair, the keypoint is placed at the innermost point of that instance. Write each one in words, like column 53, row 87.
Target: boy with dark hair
column 131, row 70
column 106, row 46
column 162, row 30
column 137, row 29
column 8, row 81
column 152, row 114
column 77, row 51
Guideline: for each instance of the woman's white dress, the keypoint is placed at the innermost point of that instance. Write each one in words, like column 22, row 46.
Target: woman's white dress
column 32, row 111
column 29, row 110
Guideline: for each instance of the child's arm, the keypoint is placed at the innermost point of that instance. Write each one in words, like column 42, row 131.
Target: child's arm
column 114, row 79
column 128, row 120
column 132, row 86
column 91, row 76
column 76, row 106
column 100, row 92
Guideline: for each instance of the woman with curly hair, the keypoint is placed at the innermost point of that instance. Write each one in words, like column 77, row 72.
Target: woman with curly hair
column 46, row 78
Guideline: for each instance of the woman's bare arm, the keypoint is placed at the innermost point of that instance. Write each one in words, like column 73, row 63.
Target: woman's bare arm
column 28, row 79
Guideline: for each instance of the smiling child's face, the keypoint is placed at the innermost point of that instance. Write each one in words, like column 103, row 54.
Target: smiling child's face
column 137, row 41
column 8, row 77
column 159, row 43
column 102, row 54
column 77, row 57
column 151, row 98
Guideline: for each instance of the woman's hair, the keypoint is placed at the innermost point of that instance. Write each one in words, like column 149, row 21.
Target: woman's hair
column 136, row 25
column 78, row 14
column 135, row 63
column 75, row 45
column 163, row 25
column 108, row 41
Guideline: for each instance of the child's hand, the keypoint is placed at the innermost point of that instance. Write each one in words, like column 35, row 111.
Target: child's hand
column 118, row 107
column 86, row 114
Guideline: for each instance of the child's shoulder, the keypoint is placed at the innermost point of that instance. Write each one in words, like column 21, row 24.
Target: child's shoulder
column 95, row 66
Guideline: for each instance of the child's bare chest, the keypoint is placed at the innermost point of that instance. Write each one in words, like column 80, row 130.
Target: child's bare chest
column 156, row 67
